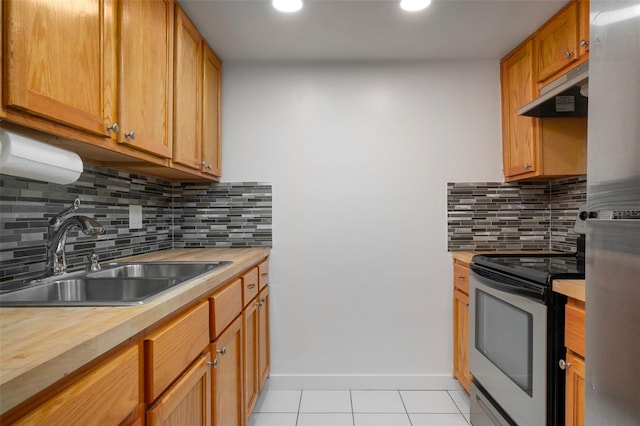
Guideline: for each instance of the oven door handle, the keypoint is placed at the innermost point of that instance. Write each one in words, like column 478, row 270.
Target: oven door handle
column 515, row 286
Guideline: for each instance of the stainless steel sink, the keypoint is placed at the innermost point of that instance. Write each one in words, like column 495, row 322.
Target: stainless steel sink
column 114, row 285
column 154, row 270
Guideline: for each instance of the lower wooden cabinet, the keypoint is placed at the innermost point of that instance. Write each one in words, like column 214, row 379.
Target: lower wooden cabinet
column 264, row 358
column 106, row 395
column 574, row 338
column 461, row 324
column 188, row 401
column 575, row 380
column 203, row 366
column 250, row 323
column 227, row 380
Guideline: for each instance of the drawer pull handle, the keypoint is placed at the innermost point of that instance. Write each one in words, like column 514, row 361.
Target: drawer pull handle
column 251, row 286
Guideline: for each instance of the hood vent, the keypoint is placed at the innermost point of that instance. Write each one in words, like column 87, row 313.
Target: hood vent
column 563, row 97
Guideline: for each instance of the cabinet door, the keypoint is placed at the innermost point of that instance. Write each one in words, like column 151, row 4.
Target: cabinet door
column 227, row 377
column 59, row 61
column 574, row 414
column 106, row 395
column 583, row 27
column 264, row 360
column 557, row 43
column 170, row 349
column 461, row 338
column 251, row 330
column 188, row 401
column 146, row 76
column 186, row 113
column 519, row 133
column 211, row 139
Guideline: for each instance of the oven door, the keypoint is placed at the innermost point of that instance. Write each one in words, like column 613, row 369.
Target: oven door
column 507, row 346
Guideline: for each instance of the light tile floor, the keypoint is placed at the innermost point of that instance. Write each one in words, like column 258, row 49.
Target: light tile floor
column 361, row 408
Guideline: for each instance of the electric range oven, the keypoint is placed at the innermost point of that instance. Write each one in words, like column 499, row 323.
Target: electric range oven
column 516, row 337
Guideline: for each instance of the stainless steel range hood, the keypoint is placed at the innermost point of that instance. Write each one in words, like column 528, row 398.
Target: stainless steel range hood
column 563, row 97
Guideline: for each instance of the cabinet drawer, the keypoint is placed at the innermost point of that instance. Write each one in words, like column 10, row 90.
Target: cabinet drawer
column 169, row 350
column 574, row 328
column 224, row 306
column 106, row 395
column 249, row 285
column 263, row 270
column 461, row 277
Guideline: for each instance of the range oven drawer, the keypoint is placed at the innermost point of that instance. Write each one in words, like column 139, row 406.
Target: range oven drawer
column 483, row 412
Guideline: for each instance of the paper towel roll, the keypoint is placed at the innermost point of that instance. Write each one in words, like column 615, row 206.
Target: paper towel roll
column 23, row 156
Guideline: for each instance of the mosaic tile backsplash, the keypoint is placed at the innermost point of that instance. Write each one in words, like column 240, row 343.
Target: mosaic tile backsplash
column 168, row 216
column 514, row 216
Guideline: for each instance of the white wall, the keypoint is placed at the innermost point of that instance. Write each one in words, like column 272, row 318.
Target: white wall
column 359, row 155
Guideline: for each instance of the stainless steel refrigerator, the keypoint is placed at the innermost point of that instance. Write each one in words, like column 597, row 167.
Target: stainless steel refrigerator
column 612, row 382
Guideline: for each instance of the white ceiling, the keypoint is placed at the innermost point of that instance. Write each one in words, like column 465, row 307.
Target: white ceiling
column 367, row 30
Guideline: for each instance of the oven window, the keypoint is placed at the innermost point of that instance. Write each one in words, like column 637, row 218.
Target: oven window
column 504, row 334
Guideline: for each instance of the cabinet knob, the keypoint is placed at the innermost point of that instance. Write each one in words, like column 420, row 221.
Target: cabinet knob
column 130, row 135
column 222, row 352
column 113, row 128
column 563, row 364
column 527, row 166
column 202, row 164
column 584, row 43
column 568, row 54
column 208, row 167
column 214, row 363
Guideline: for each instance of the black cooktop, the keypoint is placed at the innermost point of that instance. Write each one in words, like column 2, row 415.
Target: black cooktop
column 540, row 268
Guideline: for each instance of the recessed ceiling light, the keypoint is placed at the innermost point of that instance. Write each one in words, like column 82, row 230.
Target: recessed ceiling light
column 414, row 5
column 287, row 6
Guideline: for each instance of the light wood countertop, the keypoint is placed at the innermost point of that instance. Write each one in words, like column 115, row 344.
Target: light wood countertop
column 40, row 346
column 571, row 288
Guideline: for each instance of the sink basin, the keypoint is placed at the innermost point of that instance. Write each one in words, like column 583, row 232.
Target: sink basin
column 114, row 285
column 155, row 270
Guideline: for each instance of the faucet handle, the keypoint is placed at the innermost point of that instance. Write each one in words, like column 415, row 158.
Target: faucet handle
column 93, row 264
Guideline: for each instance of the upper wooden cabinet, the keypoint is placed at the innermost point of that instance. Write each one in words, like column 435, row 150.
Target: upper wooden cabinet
column 196, row 100
column 145, row 95
column 187, row 87
column 60, row 62
column 100, row 74
column 557, row 42
column 583, row 27
column 211, row 108
column 563, row 41
column 519, row 133
column 539, row 148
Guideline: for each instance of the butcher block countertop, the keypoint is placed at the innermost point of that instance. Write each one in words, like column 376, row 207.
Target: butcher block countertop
column 571, row 288
column 40, row 346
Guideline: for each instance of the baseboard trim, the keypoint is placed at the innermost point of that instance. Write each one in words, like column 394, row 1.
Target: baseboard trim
column 354, row 381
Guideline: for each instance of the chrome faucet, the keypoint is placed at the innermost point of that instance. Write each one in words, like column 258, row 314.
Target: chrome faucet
column 57, row 236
